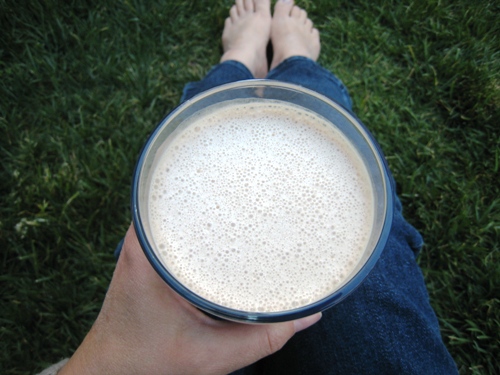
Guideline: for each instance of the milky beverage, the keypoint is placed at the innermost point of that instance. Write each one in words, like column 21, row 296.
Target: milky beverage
column 260, row 206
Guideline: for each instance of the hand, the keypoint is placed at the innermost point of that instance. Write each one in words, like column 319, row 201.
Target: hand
column 144, row 327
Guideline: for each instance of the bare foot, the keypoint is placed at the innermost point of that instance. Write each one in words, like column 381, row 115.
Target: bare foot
column 292, row 33
column 246, row 34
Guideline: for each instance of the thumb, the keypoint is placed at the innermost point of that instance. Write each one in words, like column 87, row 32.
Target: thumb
column 245, row 344
column 306, row 322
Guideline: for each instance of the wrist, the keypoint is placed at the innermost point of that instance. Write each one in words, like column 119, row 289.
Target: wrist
column 94, row 356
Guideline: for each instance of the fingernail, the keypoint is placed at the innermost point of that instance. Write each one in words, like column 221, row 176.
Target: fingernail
column 306, row 322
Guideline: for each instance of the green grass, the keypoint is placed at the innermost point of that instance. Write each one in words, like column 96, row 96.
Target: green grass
column 82, row 84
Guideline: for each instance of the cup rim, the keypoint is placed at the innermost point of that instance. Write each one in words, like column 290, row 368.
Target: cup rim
column 263, row 317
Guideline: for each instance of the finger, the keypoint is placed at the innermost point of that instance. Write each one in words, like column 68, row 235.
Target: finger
column 244, row 344
column 306, row 322
column 132, row 255
column 134, row 266
column 238, row 345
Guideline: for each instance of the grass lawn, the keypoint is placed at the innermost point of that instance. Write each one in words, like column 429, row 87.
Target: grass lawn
column 82, row 84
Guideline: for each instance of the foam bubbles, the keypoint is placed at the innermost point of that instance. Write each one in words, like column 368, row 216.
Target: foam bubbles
column 260, row 207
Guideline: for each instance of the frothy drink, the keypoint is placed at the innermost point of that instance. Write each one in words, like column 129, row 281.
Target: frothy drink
column 260, row 206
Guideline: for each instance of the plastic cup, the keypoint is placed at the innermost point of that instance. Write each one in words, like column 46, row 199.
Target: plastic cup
column 262, row 90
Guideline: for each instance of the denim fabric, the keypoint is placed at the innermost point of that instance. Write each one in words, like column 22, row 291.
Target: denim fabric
column 298, row 70
column 387, row 325
column 229, row 71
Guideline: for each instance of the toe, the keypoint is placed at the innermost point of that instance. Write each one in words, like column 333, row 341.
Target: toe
column 249, row 6
column 240, row 6
column 296, row 11
column 233, row 13
column 309, row 24
column 262, row 6
column 303, row 16
column 283, row 8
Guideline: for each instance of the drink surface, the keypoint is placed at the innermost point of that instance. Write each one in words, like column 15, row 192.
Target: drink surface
column 260, row 206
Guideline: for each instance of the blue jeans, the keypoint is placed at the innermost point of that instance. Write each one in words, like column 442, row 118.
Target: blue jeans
column 387, row 325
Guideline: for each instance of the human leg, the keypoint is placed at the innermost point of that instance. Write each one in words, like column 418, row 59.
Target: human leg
column 244, row 40
column 296, row 47
column 225, row 72
column 387, row 325
column 305, row 72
